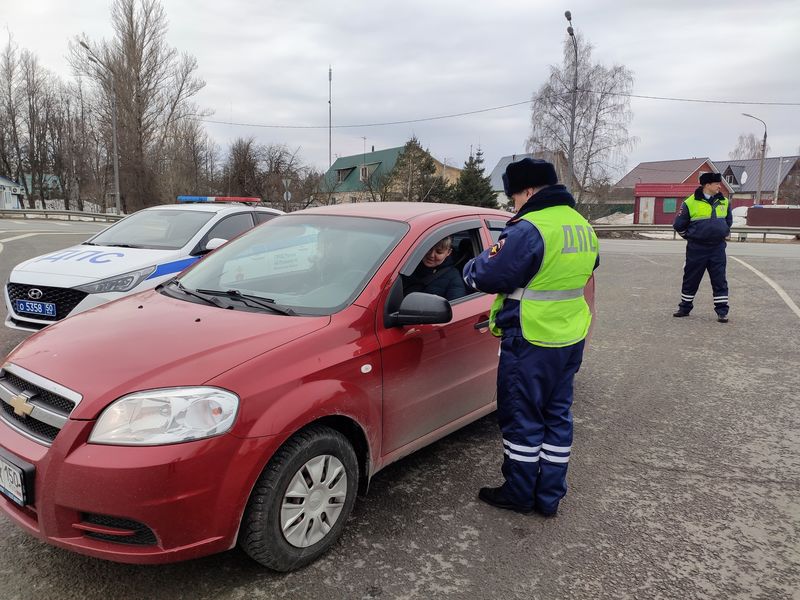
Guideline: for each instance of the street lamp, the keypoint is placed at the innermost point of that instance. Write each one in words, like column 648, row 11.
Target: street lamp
column 571, row 149
column 763, row 152
column 92, row 57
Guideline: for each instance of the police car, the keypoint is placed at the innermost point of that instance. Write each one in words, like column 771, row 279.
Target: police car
column 134, row 254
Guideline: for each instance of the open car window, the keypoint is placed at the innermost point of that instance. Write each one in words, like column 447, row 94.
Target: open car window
column 443, row 279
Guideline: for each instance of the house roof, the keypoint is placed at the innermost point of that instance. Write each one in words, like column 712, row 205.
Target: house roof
column 384, row 159
column 663, row 171
column 746, row 172
column 5, row 181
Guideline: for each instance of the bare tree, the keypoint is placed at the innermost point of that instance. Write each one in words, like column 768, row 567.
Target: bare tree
column 153, row 85
column 747, row 146
column 11, row 108
column 241, row 171
column 602, row 116
column 38, row 98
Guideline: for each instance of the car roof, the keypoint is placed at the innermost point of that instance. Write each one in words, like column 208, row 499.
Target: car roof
column 404, row 211
column 215, row 207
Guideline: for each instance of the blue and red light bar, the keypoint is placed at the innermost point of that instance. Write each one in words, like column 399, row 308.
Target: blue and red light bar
column 218, row 199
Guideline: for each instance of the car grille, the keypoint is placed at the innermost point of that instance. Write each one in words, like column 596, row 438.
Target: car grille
column 136, row 534
column 32, row 425
column 65, row 299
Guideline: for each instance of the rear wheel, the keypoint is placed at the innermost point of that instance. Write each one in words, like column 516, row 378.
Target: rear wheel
column 301, row 501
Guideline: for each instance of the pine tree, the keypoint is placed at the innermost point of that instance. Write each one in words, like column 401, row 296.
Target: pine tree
column 413, row 173
column 473, row 187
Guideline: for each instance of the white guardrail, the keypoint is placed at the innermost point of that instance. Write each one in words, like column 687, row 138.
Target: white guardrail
column 69, row 215
column 740, row 232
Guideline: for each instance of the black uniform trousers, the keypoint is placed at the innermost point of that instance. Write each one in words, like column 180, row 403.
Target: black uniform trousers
column 699, row 259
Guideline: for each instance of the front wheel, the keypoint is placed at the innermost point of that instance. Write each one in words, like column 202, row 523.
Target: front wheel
column 301, row 501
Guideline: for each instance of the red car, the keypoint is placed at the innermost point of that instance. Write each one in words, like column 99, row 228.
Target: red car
column 249, row 399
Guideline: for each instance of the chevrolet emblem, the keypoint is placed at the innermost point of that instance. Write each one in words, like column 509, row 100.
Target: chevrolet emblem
column 20, row 404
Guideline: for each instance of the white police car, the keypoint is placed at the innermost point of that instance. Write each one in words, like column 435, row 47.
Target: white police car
column 134, row 254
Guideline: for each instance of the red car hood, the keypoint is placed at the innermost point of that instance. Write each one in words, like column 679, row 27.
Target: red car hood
column 148, row 341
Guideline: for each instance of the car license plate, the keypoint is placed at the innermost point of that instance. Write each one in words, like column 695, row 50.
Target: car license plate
column 12, row 481
column 35, row 308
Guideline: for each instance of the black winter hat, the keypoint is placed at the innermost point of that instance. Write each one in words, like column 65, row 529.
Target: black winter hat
column 528, row 173
column 707, row 178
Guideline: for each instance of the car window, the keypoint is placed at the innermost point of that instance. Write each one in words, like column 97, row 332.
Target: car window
column 230, row 227
column 159, row 229
column 263, row 217
column 436, row 266
column 315, row 264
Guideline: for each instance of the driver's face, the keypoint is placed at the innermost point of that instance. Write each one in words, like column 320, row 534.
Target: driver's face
column 435, row 257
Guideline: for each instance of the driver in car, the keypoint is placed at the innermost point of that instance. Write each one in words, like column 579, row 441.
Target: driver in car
column 436, row 274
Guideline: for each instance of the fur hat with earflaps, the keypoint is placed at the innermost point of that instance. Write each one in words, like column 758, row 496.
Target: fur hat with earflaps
column 528, row 173
column 707, row 178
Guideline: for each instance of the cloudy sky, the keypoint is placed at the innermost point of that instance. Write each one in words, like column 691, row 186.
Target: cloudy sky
column 266, row 63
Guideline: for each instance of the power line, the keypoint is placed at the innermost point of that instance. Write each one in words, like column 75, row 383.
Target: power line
column 493, row 108
column 462, row 114
column 739, row 102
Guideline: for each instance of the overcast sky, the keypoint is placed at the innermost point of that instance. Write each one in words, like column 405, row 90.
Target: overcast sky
column 267, row 63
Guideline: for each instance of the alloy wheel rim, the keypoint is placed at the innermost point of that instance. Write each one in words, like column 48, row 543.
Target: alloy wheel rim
column 313, row 501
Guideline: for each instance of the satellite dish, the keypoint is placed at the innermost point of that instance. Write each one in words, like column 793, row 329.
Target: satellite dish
column 744, row 177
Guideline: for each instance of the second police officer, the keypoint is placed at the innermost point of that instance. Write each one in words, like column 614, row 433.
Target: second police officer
column 705, row 221
column 539, row 267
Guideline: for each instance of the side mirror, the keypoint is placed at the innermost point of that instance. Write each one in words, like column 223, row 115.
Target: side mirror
column 421, row 309
column 214, row 243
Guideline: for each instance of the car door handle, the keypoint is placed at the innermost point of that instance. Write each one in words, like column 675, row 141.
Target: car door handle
column 482, row 324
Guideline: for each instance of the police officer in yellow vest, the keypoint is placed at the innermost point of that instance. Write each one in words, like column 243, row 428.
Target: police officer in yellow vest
column 538, row 269
column 705, row 221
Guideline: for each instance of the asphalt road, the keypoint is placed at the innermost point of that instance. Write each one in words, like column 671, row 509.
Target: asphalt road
column 684, row 480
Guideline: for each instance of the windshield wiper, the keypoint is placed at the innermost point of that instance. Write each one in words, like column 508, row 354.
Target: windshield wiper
column 208, row 299
column 119, row 245
column 251, row 300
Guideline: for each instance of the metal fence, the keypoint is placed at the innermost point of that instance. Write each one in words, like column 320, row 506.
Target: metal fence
column 740, row 232
column 68, row 215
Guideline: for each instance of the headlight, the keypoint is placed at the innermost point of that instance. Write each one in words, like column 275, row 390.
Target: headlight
column 166, row 416
column 118, row 283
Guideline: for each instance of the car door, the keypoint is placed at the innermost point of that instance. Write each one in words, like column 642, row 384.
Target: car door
column 436, row 374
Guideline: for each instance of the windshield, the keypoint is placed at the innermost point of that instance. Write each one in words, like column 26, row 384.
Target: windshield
column 157, row 229
column 313, row 264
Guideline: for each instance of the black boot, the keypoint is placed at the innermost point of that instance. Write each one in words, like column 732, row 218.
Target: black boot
column 497, row 498
column 680, row 313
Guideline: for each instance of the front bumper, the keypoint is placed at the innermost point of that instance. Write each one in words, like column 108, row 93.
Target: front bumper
column 28, row 322
column 140, row 505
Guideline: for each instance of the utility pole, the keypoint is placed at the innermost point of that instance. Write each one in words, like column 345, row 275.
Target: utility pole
column 330, row 84
column 571, row 148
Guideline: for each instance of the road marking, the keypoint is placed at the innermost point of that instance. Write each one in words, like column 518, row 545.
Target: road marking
column 18, row 237
column 25, row 235
column 784, row 296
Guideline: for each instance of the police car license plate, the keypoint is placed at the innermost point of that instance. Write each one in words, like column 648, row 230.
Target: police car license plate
column 12, row 482
column 35, row 308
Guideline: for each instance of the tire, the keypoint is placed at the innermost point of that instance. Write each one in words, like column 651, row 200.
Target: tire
column 288, row 524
